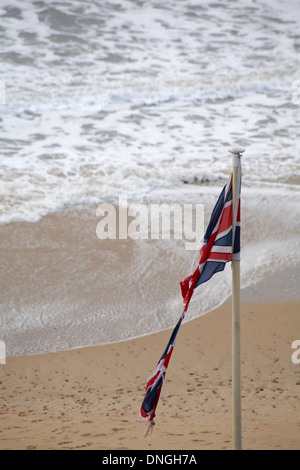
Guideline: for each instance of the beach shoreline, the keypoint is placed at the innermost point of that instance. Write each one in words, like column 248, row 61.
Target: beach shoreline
column 89, row 398
column 63, row 288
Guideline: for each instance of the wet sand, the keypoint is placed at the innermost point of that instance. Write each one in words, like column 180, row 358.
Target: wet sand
column 89, row 398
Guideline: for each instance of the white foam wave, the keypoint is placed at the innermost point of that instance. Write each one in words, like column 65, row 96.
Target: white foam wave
column 91, row 112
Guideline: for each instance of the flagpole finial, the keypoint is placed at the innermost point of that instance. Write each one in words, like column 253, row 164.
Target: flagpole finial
column 237, row 149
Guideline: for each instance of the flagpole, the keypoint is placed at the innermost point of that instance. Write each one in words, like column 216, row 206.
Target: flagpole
column 236, row 347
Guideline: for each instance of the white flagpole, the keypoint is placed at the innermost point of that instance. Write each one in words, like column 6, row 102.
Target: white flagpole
column 236, row 351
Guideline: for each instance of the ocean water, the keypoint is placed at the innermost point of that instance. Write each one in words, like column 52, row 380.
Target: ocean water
column 143, row 98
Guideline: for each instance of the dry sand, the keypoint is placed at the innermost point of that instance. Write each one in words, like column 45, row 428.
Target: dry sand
column 90, row 398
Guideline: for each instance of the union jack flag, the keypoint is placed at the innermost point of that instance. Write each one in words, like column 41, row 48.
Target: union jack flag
column 221, row 243
column 156, row 380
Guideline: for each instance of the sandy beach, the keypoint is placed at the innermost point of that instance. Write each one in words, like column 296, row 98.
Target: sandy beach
column 90, row 398
column 56, row 272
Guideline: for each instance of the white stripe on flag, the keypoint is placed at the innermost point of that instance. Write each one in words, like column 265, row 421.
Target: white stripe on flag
column 221, row 249
column 224, row 233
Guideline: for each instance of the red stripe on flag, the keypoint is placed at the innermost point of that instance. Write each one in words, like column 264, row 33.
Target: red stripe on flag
column 220, row 256
column 226, row 221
